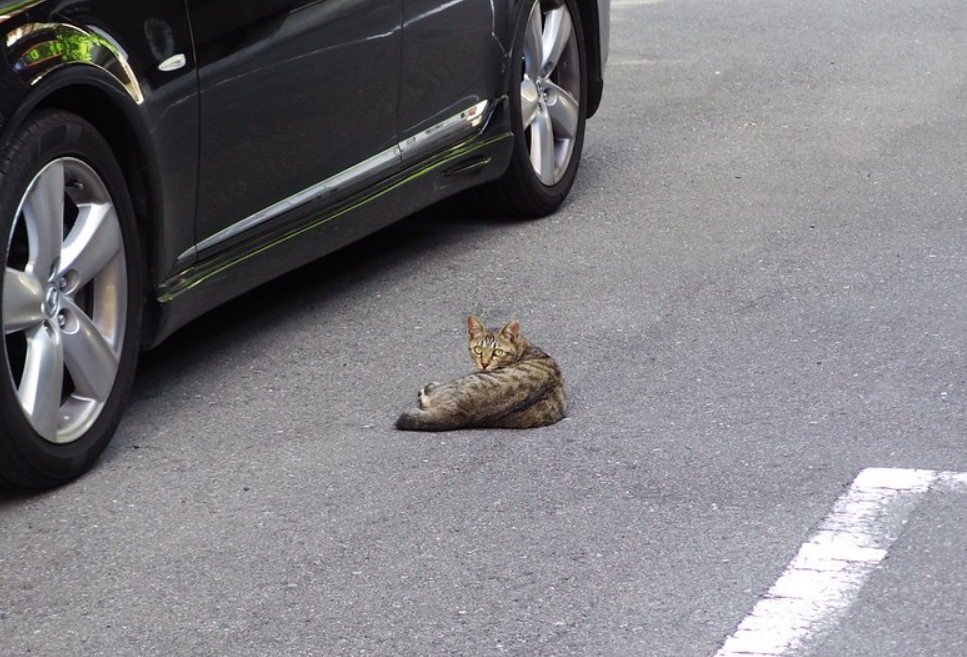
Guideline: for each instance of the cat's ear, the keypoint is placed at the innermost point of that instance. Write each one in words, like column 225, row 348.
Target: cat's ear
column 474, row 326
column 511, row 329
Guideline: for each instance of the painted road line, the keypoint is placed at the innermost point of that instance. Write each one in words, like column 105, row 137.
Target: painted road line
column 825, row 577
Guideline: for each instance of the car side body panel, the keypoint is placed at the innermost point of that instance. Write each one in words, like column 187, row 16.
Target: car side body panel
column 454, row 133
column 292, row 92
column 173, row 93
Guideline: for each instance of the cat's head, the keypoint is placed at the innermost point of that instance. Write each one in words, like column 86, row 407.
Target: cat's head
column 491, row 350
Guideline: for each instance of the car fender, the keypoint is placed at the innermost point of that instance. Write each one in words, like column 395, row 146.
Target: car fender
column 66, row 66
column 48, row 56
column 37, row 49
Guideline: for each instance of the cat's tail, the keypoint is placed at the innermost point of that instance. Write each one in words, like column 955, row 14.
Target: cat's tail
column 423, row 421
column 407, row 422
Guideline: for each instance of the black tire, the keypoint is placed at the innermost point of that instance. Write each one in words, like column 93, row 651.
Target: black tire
column 522, row 192
column 70, row 243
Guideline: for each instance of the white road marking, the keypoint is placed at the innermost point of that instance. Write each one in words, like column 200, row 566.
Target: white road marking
column 825, row 577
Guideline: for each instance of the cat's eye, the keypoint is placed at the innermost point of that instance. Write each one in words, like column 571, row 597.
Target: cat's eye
column 498, row 352
column 478, row 350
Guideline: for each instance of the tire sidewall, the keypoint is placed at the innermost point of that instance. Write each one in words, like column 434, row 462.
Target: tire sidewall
column 26, row 459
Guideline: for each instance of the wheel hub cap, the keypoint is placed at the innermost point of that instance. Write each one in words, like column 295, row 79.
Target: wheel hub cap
column 51, row 302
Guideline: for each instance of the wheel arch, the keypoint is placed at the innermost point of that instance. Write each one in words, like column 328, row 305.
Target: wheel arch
column 87, row 94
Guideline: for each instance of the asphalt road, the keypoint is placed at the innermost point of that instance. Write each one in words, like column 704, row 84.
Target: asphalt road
column 756, row 293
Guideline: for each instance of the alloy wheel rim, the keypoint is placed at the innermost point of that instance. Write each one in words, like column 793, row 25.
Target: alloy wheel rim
column 550, row 90
column 64, row 300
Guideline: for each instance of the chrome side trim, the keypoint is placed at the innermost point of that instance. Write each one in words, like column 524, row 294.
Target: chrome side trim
column 195, row 276
column 408, row 150
column 380, row 162
column 436, row 135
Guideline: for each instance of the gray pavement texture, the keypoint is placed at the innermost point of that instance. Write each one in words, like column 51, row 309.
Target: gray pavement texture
column 756, row 291
column 914, row 604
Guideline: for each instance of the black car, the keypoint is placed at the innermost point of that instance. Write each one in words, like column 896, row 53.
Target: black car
column 160, row 157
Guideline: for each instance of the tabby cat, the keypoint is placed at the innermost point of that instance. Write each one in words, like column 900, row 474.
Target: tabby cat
column 517, row 386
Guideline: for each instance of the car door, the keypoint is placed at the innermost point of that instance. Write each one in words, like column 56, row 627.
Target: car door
column 292, row 93
column 451, row 63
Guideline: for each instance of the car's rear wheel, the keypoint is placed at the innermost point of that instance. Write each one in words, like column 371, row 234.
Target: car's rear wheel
column 548, row 111
column 71, row 299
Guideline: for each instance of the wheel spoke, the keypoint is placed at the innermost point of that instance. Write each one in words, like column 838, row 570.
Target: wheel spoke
column 43, row 380
column 564, row 111
column 43, row 211
column 557, row 34
column 23, row 298
column 88, row 355
column 529, row 102
column 542, row 147
column 533, row 44
column 92, row 243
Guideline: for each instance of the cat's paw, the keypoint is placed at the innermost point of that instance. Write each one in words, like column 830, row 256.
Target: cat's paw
column 423, row 397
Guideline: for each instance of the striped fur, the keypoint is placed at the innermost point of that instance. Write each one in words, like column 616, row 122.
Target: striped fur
column 517, row 386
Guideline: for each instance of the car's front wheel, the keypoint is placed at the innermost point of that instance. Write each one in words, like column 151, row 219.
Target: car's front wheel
column 71, row 299
column 548, row 99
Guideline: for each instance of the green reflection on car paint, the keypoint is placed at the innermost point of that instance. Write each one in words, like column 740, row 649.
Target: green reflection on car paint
column 52, row 45
column 194, row 277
